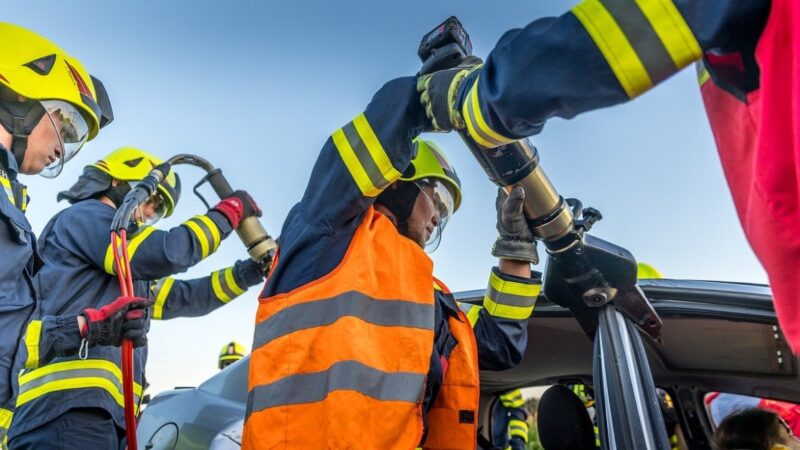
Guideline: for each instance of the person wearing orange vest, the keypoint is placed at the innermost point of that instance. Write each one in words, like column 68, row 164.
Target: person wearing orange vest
column 606, row 52
column 357, row 345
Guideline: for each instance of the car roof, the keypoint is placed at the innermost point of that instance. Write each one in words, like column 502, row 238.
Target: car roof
column 717, row 336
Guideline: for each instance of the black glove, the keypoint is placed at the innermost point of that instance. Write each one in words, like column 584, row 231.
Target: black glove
column 516, row 241
column 237, row 207
column 126, row 317
column 438, row 92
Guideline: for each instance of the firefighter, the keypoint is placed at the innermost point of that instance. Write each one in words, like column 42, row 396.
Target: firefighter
column 230, row 353
column 49, row 107
column 510, row 422
column 605, row 52
column 357, row 345
column 77, row 401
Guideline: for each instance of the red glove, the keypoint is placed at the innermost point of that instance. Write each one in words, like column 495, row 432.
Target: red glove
column 126, row 317
column 239, row 206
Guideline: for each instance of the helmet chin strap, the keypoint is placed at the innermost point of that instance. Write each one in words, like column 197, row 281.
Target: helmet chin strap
column 19, row 119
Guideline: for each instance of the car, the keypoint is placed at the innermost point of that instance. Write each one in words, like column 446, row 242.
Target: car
column 716, row 336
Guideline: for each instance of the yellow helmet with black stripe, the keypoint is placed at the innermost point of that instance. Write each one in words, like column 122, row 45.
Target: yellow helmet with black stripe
column 230, row 353
column 132, row 164
column 35, row 68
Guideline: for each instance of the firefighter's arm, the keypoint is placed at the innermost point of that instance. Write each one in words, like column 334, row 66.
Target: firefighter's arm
column 500, row 323
column 155, row 253
column 193, row 298
column 598, row 54
column 50, row 337
column 359, row 160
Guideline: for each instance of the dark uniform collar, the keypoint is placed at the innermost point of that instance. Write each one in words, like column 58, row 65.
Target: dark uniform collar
column 8, row 164
column 17, row 192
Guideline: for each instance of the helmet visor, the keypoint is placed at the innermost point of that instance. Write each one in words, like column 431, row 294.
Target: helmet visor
column 152, row 210
column 71, row 129
column 443, row 203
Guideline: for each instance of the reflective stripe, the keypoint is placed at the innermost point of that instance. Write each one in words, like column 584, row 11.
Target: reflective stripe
column 703, row 75
column 7, row 187
column 133, row 246
column 206, row 233
column 597, row 442
column 473, row 312
column 643, row 42
column 510, row 299
column 161, row 291
column 91, row 373
column 477, row 126
column 364, row 156
column 224, row 285
column 319, row 313
column 33, row 336
column 5, row 423
column 24, row 206
column 342, row 376
column 518, row 428
column 512, row 399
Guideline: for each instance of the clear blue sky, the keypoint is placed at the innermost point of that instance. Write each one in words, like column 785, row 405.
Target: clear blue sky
column 256, row 88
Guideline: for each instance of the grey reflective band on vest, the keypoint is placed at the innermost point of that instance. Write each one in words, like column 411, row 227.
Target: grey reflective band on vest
column 643, row 38
column 502, row 298
column 364, row 156
column 319, row 313
column 342, row 376
column 69, row 374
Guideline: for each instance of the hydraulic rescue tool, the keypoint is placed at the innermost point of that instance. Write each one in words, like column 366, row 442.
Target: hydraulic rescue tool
column 584, row 272
column 594, row 279
column 260, row 246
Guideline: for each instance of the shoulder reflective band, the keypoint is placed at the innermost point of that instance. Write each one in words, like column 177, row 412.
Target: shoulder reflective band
column 33, row 335
column 510, row 299
column 78, row 374
column 206, row 232
column 5, row 423
column 473, row 312
column 133, row 245
column 518, row 428
column 160, row 292
column 512, row 399
column 319, row 313
column 342, row 376
column 476, row 125
column 364, row 156
column 224, row 285
column 9, row 192
column 643, row 41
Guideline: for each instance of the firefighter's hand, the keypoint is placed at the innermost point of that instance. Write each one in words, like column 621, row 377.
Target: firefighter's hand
column 438, row 92
column 239, row 206
column 515, row 241
column 125, row 318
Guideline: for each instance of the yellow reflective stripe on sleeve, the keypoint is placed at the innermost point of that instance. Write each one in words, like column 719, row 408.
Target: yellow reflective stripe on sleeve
column 672, row 29
column 33, row 336
column 512, row 399
column 224, row 285
column 510, row 299
column 364, row 157
column 216, row 239
column 614, row 46
column 476, row 125
column 473, row 312
column 518, row 428
column 161, row 292
column 237, row 291
column 77, row 374
column 5, row 421
column 201, row 236
column 9, row 192
column 133, row 246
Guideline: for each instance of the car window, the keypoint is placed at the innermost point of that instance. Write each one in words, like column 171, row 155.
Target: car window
column 230, row 383
column 722, row 404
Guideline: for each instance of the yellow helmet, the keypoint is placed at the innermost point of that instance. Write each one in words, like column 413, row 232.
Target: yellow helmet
column 230, row 353
column 647, row 271
column 430, row 162
column 51, row 82
column 132, row 164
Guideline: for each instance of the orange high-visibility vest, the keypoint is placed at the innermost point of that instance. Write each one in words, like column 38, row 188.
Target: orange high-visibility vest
column 341, row 362
column 453, row 419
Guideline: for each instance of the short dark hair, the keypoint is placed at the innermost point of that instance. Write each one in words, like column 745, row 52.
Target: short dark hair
column 749, row 429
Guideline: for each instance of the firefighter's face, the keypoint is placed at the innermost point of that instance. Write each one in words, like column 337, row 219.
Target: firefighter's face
column 424, row 217
column 44, row 146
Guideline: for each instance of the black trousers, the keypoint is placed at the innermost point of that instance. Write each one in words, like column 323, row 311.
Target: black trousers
column 77, row 429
